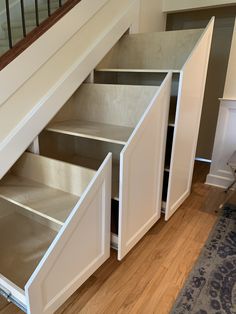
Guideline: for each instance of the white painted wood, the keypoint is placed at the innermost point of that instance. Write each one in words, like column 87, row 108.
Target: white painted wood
column 225, row 144
column 135, row 70
column 48, row 44
column 68, row 261
column 90, row 78
column 141, row 172
column 189, row 105
column 230, row 88
column 93, row 130
column 34, row 146
column 152, row 51
column 182, row 5
column 191, row 54
column 30, row 108
column 15, row 291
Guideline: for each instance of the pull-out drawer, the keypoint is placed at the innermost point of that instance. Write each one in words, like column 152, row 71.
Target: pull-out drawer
column 55, row 229
column 143, row 59
column 131, row 122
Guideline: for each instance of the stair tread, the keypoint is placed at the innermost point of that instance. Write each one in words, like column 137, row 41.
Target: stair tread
column 46, row 201
column 93, row 130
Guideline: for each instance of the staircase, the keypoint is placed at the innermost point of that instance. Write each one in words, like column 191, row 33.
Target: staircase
column 30, row 21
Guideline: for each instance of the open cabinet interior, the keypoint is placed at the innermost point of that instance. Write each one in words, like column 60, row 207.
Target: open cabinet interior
column 45, row 206
column 87, row 153
column 142, row 78
column 146, row 78
column 152, row 51
column 102, row 118
column 22, row 249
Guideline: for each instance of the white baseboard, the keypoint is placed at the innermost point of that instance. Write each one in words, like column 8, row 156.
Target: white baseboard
column 221, row 182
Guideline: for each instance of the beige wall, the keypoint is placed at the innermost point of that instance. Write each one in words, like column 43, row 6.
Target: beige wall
column 230, row 84
column 180, row 5
column 151, row 16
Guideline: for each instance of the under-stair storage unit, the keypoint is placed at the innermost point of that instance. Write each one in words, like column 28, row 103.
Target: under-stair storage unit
column 55, row 229
column 144, row 59
column 130, row 122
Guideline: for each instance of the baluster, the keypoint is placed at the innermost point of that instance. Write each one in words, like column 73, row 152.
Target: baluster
column 23, row 17
column 49, row 7
column 8, row 23
column 37, row 12
column 60, row 3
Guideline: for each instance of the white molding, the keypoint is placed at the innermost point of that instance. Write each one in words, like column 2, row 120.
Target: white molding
column 186, row 5
column 225, row 144
column 34, row 146
column 218, row 181
column 229, row 99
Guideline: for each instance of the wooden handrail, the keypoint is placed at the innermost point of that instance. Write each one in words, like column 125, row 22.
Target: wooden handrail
column 32, row 36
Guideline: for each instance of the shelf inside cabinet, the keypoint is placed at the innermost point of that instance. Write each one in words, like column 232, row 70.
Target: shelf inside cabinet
column 93, row 130
column 38, row 198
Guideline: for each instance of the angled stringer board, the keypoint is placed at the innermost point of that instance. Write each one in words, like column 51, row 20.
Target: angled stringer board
column 189, row 107
column 81, row 246
column 141, row 172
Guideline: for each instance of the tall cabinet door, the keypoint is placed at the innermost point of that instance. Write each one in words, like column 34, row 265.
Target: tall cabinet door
column 188, row 115
column 141, row 172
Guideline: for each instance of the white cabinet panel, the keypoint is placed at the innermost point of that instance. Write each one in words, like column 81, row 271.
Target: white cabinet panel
column 141, row 172
column 188, row 115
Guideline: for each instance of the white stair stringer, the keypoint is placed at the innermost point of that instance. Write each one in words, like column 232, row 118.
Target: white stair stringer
column 27, row 111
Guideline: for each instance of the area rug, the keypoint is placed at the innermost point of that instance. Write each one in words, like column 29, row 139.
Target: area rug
column 211, row 285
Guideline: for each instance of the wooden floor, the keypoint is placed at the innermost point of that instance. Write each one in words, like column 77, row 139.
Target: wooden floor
column 149, row 278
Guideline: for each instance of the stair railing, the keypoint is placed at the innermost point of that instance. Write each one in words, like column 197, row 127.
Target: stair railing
column 55, row 9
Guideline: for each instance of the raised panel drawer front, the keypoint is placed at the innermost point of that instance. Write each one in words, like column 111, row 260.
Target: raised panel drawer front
column 141, row 172
column 54, row 208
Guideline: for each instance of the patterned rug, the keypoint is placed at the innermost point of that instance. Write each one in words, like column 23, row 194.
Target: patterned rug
column 211, row 285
